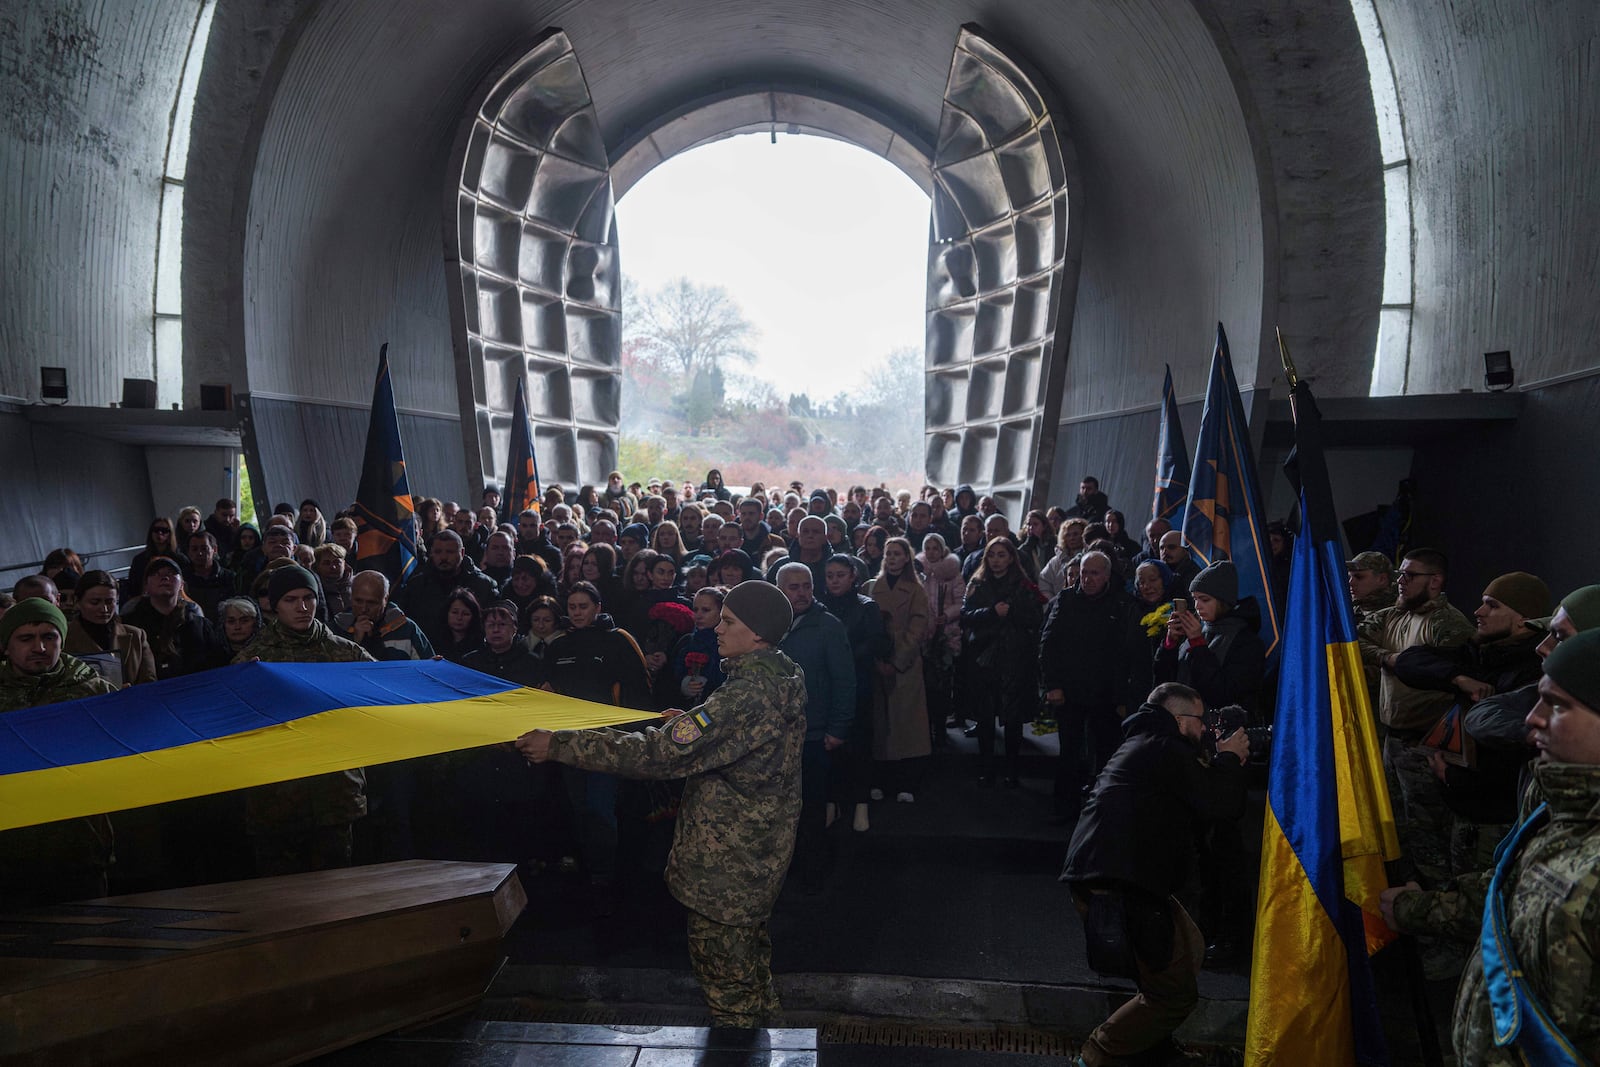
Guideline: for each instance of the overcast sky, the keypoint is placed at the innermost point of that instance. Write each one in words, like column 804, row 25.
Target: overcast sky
column 823, row 244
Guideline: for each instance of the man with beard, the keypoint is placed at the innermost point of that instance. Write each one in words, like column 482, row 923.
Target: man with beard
column 1088, row 637
column 1420, row 616
column 754, row 533
column 1176, row 557
column 426, row 597
column 1091, row 504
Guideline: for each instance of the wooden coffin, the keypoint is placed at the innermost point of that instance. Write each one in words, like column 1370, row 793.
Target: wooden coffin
column 270, row 971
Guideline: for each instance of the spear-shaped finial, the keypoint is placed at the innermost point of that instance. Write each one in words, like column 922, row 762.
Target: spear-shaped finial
column 1288, row 364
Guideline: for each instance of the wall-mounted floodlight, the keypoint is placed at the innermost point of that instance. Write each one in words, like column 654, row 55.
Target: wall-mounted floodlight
column 1497, row 372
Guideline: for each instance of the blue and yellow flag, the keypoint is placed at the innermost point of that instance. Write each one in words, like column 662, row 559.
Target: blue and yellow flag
column 1172, row 462
column 1329, row 827
column 1223, row 517
column 255, row 723
column 522, row 466
column 386, row 521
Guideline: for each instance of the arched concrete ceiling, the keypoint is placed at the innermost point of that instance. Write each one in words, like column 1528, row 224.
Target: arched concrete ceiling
column 342, row 237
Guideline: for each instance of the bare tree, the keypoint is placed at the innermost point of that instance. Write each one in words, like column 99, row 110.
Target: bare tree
column 689, row 328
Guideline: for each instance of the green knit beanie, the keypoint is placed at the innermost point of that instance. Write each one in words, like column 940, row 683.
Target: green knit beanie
column 28, row 611
column 1575, row 667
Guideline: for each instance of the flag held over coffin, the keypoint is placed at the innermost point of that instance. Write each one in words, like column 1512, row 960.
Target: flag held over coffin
column 1172, row 462
column 1329, row 827
column 1223, row 517
column 256, row 723
column 386, row 520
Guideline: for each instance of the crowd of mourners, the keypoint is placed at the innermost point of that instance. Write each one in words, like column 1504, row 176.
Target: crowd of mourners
column 916, row 617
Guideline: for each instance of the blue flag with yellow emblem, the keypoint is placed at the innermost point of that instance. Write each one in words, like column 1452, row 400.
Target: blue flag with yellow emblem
column 522, row 466
column 1223, row 517
column 386, row 521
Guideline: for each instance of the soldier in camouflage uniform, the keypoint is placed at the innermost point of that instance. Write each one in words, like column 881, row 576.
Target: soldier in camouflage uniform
column 306, row 824
column 740, row 751
column 1548, row 883
column 1421, row 616
column 1371, row 578
column 56, row 861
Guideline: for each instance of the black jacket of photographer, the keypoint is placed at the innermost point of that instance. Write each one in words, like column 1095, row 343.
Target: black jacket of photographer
column 1137, row 831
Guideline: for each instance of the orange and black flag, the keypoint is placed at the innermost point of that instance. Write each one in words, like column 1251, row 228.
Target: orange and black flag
column 1329, row 828
column 522, row 466
column 386, row 520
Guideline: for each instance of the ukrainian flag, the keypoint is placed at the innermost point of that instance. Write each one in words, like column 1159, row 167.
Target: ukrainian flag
column 386, row 520
column 1224, row 517
column 1329, row 827
column 1172, row 462
column 522, row 467
column 256, row 723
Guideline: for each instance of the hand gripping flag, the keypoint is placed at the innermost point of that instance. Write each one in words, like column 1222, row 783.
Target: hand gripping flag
column 1223, row 517
column 1329, row 827
column 1172, row 462
column 386, row 521
column 256, row 723
column 522, row 468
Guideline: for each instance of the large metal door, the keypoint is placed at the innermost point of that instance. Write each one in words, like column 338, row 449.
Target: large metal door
column 1002, row 266
column 535, row 283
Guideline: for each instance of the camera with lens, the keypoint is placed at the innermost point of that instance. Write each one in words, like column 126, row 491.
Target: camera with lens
column 1220, row 722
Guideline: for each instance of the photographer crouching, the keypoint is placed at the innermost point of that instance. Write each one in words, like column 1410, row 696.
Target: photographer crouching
column 1128, row 856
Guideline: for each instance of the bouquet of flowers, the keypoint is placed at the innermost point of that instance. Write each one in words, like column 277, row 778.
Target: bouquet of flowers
column 695, row 662
column 1157, row 620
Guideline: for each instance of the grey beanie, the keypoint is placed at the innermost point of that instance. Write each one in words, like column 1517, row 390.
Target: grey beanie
column 1219, row 580
column 762, row 607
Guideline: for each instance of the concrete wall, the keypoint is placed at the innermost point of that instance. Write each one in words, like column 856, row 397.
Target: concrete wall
column 88, row 93
column 1503, row 127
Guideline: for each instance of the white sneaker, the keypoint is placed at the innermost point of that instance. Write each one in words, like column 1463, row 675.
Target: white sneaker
column 860, row 824
column 905, row 798
column 876, row 794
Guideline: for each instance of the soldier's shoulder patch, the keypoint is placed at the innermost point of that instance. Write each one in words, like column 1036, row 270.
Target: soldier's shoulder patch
column 684, row 729
column 1550, row 883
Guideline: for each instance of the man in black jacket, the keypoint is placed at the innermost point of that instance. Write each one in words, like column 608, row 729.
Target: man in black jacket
column 426, row 596
column 1129, row 854
column 1084, row 663
column 533, row 541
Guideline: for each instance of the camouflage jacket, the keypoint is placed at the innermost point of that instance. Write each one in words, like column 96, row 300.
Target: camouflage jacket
column 323, row 799
column 72, row 844
column 1553, row 907
column 1395, row 629
column 740, row 751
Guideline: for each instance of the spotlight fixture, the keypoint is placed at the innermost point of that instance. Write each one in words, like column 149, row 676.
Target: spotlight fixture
column 53, row 384
column 1497, row 372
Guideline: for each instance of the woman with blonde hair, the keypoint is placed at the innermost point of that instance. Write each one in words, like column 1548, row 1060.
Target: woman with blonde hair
column 668, row 541
column 900, row 737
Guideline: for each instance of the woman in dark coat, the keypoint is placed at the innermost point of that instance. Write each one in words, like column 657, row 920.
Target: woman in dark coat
column 1000, row 620
column 596, row 661
column 463, row 619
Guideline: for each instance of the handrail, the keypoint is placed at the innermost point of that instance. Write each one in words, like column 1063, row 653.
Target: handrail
column 85, row 556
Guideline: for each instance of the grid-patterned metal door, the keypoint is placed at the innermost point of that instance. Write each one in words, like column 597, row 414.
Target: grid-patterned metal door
column 1001, row 268
column 535, row 282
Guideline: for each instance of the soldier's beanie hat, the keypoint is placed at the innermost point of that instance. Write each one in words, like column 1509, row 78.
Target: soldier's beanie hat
column 34, row 610
column 286, row 580
column 1574, row 666
column 1219, row 580
column 1522, row 593
column 1582, row 607
column 762, row 607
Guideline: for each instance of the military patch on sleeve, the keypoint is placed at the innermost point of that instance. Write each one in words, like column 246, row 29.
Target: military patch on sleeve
column 1542, row 879
column 684, row 729
column 699, row 716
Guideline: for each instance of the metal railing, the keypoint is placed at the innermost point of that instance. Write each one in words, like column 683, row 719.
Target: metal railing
column 22, row 570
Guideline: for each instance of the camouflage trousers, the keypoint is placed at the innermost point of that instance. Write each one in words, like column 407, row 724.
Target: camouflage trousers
column 1420, row 813
column 733, row 965
column 1425, row 825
